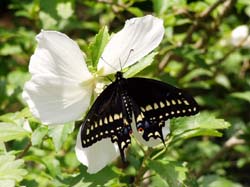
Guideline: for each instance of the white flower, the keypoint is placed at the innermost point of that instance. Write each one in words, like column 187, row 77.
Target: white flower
column 61, row 85
column 241, row 34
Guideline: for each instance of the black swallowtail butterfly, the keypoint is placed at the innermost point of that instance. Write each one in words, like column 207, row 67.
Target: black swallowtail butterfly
column 149, row 102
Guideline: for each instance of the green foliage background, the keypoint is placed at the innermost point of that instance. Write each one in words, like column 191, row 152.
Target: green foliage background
column 208, row 150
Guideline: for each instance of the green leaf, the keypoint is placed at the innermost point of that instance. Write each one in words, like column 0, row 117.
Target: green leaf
column 136, row 11
column 9, row 183
column 172, row 172
column 52, row 164
column 196, row 73
column 223, row 80
column 142, row 64
column 11, row 132
column 59, row 133
column 242, row 95
column 47, row 20
column 97, row 46
column 160, row 6
column 2, row 147
column 217, row 181
column 64, row 10
column 10, row 170
column 199, row 125
column 38, row 135
column 8, row 49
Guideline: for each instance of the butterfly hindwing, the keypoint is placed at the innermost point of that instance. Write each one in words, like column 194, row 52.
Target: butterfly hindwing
column 108, row 118
column 154, row 102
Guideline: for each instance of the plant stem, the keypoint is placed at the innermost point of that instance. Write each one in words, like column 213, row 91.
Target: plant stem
column 228, row 145
column 143, row 168
column 25, row 150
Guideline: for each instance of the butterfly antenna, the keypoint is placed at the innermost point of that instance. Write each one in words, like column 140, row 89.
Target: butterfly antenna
column 120, row 64
column 108, row 63
column 130, row 51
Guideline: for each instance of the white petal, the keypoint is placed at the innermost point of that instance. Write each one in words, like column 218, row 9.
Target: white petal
column 152, row 142
column 58, row 55
column 141, row 35
column 57, row 100
column 96, row 156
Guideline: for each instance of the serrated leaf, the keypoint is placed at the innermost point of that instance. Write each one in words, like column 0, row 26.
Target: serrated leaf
column 242, row 95
column 38, row 135
column 10, row 170
column 59, row 133
column 172, row 172
column 142, row 64
column 10, row 131
column 202, row 124
column 97, row 46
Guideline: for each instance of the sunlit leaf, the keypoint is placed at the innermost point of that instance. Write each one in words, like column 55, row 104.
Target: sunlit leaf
column 11, row 132
column 59, row 133
column 97, row 46
column 64, row 10
column 217, row 181
column 142, row 64
column 201, row 124
column 38, row 135
column 172, row 172
column 242, row 95
column 11, row 170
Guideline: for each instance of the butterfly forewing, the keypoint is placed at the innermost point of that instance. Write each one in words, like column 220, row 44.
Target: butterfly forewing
column 148, row 101
column 108, row 118
column 154, row 102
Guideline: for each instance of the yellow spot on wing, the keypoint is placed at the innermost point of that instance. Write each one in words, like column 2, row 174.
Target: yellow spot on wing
column 139, row 118
column 167, row 103
column 162, row 105
column 186, row 102
column 105, row 120
column 142, row 109
column 116, row 117
column 179, row 101
column 123, row 144
column 110, row 119
column 149, row 107
column 156, row 106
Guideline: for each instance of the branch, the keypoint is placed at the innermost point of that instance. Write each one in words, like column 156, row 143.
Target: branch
column 196, row 24
column 25, row 150
column 205, row 14
column 228, row 145
column 143, row 169
column 231, row 51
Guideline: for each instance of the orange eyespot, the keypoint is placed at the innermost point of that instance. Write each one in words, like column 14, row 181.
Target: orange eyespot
column 140, row 129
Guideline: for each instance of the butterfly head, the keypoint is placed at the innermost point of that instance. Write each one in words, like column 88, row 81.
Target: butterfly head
column 118, row 75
